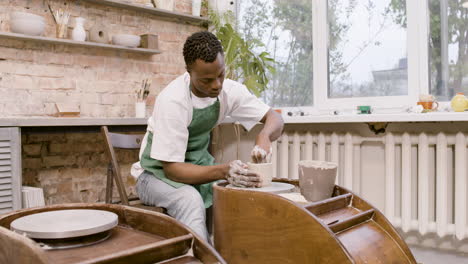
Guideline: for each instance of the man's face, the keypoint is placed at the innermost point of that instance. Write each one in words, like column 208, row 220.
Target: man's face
column 207, row 77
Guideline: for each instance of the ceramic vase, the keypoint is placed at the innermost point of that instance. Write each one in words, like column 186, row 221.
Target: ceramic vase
column 79, row 33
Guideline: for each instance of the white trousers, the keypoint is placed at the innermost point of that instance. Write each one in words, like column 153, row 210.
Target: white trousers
column 185, row 204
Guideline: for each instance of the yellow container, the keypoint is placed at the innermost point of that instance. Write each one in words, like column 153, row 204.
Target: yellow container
column 459, row 103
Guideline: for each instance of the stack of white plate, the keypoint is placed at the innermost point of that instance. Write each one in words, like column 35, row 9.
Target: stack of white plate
column 32, row 196
column 27, row 23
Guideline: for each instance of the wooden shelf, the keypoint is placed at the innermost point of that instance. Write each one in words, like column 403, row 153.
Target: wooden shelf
column 71, row 121
column 154, row 11
column 7, row 35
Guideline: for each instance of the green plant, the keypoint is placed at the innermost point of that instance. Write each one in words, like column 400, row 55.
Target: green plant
column 242, row 61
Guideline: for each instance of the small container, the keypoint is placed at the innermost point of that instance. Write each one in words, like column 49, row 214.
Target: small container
column 140, row 109
column 165, row 4
column 196, row 7
column 149, row 41
column 61, row 31
column 459, row 103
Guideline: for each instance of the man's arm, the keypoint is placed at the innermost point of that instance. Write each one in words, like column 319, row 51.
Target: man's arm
column 271, row 131
column 194, row 174
column 273, row 125
column 235, row 172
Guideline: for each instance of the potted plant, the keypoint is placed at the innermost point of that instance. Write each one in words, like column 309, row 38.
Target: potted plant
column 243, row 63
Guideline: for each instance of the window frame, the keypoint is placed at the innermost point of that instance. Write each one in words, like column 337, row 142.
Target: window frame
column 418, row 62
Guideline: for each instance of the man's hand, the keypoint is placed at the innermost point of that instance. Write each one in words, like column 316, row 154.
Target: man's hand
column 261, row 153
column 240, row 176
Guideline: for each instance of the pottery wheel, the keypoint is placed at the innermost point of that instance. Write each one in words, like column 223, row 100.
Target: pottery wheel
column 64, row 224
column 274, row 187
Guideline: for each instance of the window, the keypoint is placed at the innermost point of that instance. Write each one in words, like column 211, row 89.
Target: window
column 285, row 27
column 367, row 51
column 448, row 43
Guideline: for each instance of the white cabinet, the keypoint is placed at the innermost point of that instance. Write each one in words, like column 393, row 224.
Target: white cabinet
column 10, row 169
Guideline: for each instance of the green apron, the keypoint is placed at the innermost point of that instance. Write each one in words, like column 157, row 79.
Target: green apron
column 203, row 121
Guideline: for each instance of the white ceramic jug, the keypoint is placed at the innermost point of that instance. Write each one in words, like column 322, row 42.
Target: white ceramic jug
column 165, row 4
column 79, row 33
column 196, row 7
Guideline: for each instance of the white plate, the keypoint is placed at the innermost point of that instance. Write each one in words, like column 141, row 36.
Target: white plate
column 65, row 223
column 275, row 187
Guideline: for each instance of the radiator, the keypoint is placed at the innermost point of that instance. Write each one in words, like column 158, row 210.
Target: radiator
column 440, row 203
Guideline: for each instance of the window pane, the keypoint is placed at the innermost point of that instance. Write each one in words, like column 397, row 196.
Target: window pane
column 285, row 27
column 448, row 44
column 367, row 53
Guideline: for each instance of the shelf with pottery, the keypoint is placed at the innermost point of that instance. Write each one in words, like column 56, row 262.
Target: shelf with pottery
column 154, row 11
column 16, row 36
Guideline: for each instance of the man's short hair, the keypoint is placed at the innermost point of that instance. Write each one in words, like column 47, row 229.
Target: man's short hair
column 201, row 45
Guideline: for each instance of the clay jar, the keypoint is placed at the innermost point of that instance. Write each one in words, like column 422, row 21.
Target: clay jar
column 265, row 170
column 317, row 179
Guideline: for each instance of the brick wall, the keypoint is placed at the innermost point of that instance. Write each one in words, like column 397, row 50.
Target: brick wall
column 34, row 76
column 71, row 167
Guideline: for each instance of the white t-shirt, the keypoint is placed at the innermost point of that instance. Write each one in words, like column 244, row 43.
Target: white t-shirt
column 173, row 113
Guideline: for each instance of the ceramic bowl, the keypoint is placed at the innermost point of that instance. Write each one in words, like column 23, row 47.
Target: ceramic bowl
column 32, row 27
column 126, row 40
column 24, row 15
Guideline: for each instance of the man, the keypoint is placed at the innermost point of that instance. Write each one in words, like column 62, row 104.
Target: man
column 179, row 170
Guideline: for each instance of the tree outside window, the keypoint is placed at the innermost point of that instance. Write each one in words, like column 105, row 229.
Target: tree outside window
column 367, row 51
column 285, row 28
column 448, row 45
